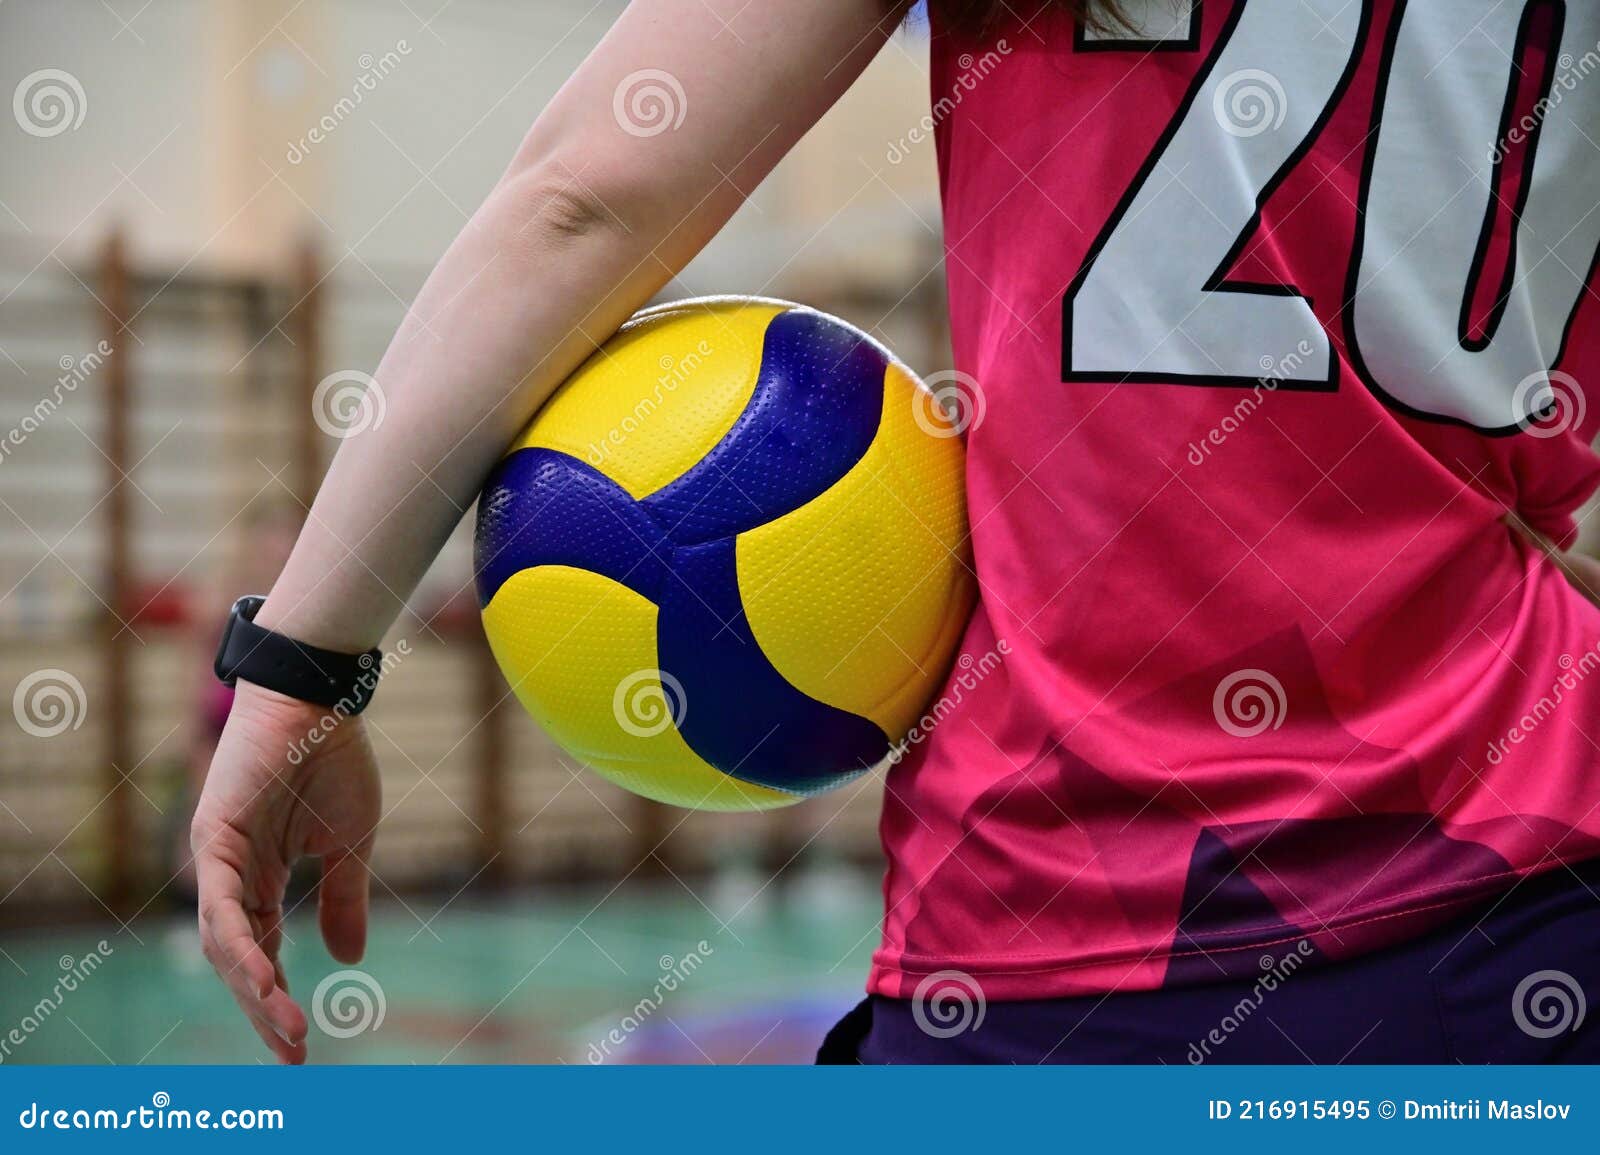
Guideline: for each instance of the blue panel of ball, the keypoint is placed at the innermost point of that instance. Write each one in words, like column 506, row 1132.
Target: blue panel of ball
column 676, row 547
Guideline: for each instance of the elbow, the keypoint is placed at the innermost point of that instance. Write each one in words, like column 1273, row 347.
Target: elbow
column 606, row 201
column 550, row 207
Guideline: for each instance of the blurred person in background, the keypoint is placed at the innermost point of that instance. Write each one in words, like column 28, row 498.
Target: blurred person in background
column 1281, row 359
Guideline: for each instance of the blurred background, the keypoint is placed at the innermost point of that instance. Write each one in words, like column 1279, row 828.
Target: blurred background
column 208, row 208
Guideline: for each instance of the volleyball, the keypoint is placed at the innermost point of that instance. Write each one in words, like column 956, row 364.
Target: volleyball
column 726, row 565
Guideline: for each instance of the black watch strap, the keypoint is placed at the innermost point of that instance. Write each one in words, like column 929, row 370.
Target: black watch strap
column 277, row 662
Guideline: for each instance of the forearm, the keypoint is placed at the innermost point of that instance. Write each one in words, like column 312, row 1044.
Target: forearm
column 588, row 223
column 526, row 292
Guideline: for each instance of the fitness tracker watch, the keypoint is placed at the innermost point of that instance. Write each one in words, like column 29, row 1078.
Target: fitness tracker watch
column 277, row 662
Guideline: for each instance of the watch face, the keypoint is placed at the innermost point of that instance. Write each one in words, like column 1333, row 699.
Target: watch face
column 245, row 608
column 219, row 665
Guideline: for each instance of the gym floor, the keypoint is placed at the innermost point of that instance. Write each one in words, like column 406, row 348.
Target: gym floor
column 576, row 976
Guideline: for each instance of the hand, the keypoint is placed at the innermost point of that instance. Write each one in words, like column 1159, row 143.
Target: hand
column 259, row 813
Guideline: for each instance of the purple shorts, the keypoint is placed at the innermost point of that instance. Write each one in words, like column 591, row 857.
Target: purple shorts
column 1510, row 983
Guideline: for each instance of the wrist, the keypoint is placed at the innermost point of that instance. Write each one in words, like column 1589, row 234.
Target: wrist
column 295, row 617
column 292, row 667
column 288, row 731
column 279, row 709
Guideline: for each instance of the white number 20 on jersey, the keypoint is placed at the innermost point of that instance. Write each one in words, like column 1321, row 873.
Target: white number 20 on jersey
column 1151, row 302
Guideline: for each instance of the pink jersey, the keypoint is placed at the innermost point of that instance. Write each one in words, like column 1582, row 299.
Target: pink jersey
column 1269, row 315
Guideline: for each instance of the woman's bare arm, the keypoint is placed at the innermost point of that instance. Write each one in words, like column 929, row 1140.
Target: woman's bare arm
column 587, row 223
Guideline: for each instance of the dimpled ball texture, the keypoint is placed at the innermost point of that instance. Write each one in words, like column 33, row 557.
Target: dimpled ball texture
column 726, row 565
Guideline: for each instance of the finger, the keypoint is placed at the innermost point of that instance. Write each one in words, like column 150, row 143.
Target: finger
column 231, row 944
column 226, row 934
column 281, row 1014
column 284, row 1016
column 278, row 1016
column 284, row 1051
column 268, row 927
column 342, row 904
column 277, row 1020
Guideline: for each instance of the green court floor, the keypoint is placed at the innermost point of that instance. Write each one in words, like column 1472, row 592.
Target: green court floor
column 573, row 976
